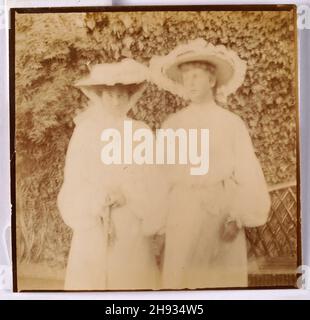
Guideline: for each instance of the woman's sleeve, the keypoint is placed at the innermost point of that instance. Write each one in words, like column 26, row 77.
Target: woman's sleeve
column 250, row 199
column 81, row 196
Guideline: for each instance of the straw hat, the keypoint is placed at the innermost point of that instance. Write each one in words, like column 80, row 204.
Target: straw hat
column 229, row 68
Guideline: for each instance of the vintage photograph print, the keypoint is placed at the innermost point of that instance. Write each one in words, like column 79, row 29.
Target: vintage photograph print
column 154, row 148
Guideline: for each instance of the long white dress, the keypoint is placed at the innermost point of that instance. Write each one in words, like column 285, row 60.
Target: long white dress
column 195, row 255
column 94, row 263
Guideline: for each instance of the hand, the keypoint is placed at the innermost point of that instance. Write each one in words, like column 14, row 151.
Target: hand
column 229, row 231
column 115, row 199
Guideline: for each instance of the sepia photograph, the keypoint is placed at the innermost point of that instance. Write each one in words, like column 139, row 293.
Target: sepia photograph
column 155, row 148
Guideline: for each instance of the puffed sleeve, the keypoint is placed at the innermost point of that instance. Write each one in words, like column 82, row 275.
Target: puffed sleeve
column 81, row 196
column 250, row 201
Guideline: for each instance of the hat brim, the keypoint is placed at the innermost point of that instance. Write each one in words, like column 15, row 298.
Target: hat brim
column 125, row 72
column 92, row 94
column 88, row 82
column 224, row 71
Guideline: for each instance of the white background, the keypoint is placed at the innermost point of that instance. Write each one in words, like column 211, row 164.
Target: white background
column 304, row 58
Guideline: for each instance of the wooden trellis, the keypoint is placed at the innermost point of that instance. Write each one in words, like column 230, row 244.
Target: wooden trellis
column 278, row 237
column 274, row 245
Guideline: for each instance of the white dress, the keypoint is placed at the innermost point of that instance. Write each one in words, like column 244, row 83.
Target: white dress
column 94, row 263
column 195, row 255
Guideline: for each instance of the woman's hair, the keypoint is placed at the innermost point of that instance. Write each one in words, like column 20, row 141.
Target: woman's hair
column 199, row 64
column 129, row 88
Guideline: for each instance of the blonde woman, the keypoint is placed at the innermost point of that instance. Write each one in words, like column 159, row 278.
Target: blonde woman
column 113, row 210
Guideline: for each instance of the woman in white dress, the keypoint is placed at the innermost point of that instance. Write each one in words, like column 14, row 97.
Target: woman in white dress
column 112, row 209
column 205, row 243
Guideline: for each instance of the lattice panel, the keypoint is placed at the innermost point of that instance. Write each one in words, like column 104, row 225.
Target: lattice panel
column 278, row 237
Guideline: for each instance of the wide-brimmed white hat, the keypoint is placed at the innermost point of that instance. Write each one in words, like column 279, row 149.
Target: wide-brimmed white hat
column 229, row 68
column 125, row 72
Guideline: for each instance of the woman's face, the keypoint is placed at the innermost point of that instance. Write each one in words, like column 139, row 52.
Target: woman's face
column 198, row 82
column 116, row 97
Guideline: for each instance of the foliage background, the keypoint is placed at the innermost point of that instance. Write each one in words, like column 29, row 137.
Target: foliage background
column 53, row 50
